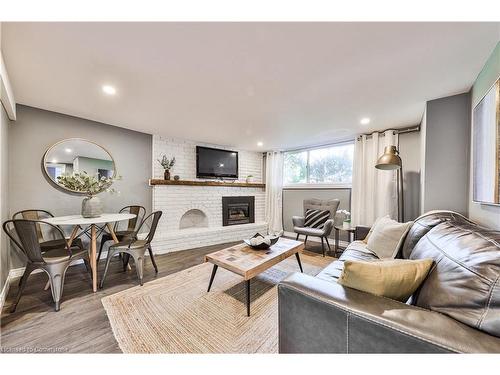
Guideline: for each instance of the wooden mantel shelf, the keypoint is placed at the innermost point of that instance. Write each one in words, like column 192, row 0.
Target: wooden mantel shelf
column 153, row 182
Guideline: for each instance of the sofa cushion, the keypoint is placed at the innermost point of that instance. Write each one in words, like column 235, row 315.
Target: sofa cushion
column 309, row 231
column 397, row 279
column 464, row 282
column 355, row 251
column 423, row 224
column 386, row 236
column 316, row 218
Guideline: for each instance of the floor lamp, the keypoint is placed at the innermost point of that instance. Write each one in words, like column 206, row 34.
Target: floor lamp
column 389, row 161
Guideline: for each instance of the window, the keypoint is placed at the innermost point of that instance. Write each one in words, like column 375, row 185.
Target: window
column 326, row 165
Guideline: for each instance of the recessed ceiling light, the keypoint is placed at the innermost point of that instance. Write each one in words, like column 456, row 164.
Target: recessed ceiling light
column 364, row 121
column 54, row 160
column 260, row 144
column 68, row 150
column 109, row 90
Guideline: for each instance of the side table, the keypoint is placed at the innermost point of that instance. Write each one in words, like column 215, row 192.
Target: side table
column 338, row 228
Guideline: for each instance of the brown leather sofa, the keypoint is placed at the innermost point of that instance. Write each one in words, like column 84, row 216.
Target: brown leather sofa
column 456, row 309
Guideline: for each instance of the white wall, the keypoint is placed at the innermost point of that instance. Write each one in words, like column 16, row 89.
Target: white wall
column 4, row 200
column 185, row 154
column 175, row 200
column 7, row 101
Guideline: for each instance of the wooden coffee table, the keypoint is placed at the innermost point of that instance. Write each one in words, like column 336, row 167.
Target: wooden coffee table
column 248, row 263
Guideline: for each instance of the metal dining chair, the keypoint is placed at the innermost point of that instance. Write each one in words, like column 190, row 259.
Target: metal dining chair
column 135, row 247
column 131, row 229
column 54, row 262
column 45, row 243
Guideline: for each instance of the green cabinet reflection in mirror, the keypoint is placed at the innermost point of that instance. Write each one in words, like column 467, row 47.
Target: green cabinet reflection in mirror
column 68, row 161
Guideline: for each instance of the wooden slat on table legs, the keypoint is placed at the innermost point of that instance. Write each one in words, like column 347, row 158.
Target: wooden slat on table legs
column 93, row 261
column 112, row 232
column 73, row 235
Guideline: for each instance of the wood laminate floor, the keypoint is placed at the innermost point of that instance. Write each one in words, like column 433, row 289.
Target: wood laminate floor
column 81, row 326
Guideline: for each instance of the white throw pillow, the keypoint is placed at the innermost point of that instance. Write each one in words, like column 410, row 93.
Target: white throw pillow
column 386, row 237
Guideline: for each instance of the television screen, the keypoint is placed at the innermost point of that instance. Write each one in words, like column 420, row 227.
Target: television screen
column 216, row 163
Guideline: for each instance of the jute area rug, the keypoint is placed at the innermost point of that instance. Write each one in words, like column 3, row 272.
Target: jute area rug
column 175, row 314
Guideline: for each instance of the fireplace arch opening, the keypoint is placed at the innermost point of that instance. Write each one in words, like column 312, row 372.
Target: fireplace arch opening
column 193, row 218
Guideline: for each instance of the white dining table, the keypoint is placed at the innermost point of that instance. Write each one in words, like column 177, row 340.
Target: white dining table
column 81, row 223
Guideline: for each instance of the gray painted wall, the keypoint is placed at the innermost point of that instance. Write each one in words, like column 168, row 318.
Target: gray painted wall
column 485, row 214
column 293, row 202
column 4, row 208
column 445, row 184
column 409, row 147
column 35, row 130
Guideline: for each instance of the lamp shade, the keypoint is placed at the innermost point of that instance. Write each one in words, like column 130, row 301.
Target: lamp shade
column 389, row 159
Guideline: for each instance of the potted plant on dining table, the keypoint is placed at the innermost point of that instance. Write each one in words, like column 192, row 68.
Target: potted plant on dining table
column 82, row 182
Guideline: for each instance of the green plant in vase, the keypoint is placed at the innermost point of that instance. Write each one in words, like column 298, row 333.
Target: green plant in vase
column 82, row 182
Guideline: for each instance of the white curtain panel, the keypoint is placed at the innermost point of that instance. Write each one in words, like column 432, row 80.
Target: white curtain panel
column 274, row 192
column 374, row 192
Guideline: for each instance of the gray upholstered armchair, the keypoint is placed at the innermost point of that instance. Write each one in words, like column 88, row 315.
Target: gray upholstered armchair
column 323, row 233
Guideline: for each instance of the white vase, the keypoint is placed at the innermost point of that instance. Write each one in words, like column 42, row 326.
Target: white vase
column 91, row 207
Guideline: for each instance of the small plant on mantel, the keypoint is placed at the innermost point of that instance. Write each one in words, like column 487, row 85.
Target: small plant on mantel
column 167, row 164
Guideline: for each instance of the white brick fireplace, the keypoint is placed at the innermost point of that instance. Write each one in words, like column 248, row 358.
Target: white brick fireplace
column 192, row 215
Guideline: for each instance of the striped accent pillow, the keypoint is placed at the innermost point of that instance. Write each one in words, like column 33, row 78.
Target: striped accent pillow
column 316, row 218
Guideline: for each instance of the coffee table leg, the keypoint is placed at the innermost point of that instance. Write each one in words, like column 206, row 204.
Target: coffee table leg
column 248, row 297
column 214, row 270
column 298, row 261
column 337, row 234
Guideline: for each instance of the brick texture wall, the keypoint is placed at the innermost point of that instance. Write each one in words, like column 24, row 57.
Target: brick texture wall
column 250, row 163
column 176, row 200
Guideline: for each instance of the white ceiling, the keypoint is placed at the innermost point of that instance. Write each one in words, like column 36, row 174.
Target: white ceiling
column 285, row 84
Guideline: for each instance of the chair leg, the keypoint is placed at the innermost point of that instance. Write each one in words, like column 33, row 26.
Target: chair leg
column 57, row 274
column 328, row 244
column 305, row 242
column 22, row 285
column 322, row 246
column 125, row 260
column 87, row 265
column 152, row 258
column 108, row 260
column 100, row 251
column 139, row 266
column 297, row 237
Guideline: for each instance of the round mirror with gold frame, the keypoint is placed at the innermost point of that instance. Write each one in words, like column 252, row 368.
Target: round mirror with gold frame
column 77, row 156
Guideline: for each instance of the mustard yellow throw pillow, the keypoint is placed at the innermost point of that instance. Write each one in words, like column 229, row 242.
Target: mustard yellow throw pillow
column 397, row 279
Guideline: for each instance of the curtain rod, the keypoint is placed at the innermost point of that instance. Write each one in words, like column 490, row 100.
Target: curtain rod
column 323, row 145
column 409, row 129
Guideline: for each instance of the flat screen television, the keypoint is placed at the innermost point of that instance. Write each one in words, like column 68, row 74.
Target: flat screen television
column 216, row 163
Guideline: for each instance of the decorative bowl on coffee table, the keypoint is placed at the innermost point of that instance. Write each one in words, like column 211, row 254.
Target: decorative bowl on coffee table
column 260, row 242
